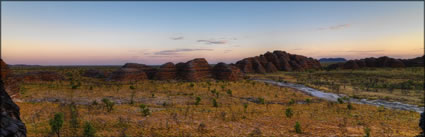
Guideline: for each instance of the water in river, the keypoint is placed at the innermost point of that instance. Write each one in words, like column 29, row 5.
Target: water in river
column 334, row 97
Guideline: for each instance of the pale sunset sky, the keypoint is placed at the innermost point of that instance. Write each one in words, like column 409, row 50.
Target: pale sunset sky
column 113, row 33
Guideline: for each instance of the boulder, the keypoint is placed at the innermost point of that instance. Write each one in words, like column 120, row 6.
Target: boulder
column 10, row 121
column 222, row 71
column 167, row 71
column 194, row 70
column 245, row 65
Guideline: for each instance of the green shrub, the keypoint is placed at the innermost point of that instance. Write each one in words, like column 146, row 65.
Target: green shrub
column 89, row 130
column 198, row 100
column 229, row 92
column 132, row 87
column 308, row 101
column 340, row 101
column 56, row 123
column 288, row 112
column 245, row 106
column 297, row 128
column 261, row 100
column 291, row 102
column 144, row 109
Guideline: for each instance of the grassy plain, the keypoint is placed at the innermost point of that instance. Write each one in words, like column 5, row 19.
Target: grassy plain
column 244, row 108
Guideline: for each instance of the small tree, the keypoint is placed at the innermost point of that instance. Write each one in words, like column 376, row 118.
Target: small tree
column 108, row 104
column 215, row 104
column 245, row 106
column 56, row 123
column 74, row 116
column 89, row 130
column 198, row 100
column 297, row 128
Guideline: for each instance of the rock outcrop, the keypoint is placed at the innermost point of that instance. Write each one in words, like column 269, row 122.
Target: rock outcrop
column 379, row 62
column 10, row 121
column 40, row 76
column 194, row 70
column 150, row 71
column 415, row 62
column 222, row 71
column 278, row 59
column 11, row 85
column 128, row 74
column 167, row 71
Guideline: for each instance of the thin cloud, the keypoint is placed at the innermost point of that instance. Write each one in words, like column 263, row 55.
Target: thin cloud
column 365, row 51
column 297, row 49
column 177, row 38
column 335, row 27
column 212, row 41
column 178, row 51
column 227, row 51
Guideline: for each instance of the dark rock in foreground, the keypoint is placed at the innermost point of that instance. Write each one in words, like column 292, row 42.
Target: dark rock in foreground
column 10, row 121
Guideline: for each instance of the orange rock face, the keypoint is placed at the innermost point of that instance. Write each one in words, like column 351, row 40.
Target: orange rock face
column 194, row 70
column 222, row 71
column 167, row 71
column 4, row 70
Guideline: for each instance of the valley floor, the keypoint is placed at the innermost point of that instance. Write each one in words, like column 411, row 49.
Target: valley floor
column 243, row 108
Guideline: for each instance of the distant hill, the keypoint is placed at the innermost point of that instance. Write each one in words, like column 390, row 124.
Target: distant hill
column 332, row 60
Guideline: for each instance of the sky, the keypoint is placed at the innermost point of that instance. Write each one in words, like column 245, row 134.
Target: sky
column 113, row 33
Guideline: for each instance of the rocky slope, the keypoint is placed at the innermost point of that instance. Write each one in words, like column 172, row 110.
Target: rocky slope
column 278, row 59
column 379, row 62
